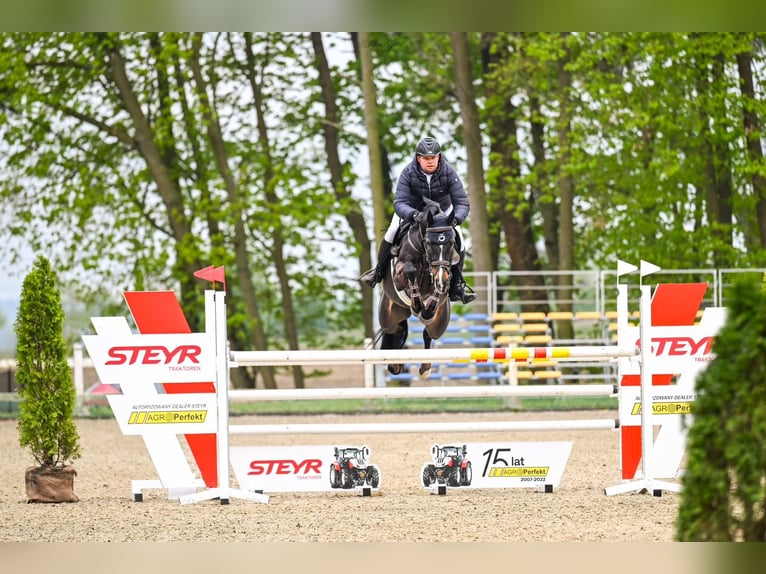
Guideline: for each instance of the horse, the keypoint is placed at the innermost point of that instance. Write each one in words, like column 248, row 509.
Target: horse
column 417, row 282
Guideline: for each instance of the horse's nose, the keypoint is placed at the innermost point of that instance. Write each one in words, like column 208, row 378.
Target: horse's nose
column 441, row 276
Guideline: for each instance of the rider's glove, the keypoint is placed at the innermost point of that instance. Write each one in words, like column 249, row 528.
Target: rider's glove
column 418, row 217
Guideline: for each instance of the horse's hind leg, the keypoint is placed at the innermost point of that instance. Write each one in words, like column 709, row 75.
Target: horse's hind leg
column 389, row 342
column 396, row 340
column 425, row 368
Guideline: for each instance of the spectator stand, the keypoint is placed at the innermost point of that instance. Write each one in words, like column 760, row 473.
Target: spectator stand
column 469, row 330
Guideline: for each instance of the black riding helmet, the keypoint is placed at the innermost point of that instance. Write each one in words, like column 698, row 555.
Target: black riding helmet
column 428, row 146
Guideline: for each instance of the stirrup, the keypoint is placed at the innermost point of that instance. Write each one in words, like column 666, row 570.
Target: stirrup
column 459, row 294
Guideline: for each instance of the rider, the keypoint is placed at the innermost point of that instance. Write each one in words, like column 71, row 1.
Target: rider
column 427, row 175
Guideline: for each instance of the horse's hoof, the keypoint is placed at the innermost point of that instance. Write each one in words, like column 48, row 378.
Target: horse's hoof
column 395, row 369
column 425, row 372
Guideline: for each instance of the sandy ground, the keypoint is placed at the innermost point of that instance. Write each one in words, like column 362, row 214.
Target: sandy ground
column 400, row 511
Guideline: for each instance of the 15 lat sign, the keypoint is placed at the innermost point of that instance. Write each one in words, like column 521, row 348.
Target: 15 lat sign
column 497, row 465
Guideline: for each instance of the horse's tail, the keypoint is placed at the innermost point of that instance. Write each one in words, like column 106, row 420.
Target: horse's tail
column 390, row 340
column 375, row 339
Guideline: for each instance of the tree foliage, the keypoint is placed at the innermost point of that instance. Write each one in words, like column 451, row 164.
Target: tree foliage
column 724, row 485
column 135, row 158
column 46, row 386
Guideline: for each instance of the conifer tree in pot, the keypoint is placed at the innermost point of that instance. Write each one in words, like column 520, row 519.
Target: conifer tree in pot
column 46, row 422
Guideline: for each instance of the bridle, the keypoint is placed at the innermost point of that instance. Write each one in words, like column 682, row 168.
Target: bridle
column 439, row 240
column 436, row 247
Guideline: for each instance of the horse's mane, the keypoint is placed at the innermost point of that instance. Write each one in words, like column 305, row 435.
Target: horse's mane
column 435, row 216
column 442, row 220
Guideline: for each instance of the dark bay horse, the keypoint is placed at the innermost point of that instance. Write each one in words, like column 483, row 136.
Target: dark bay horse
column 417, row 283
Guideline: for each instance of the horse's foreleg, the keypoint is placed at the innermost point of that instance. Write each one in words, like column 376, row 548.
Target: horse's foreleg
column 415, row 298
column 410, row 272
column 425, row 368
column 440, row 290
column 428, row 312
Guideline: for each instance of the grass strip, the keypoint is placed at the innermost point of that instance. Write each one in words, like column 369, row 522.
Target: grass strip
column 433, row 405
column 9, row 409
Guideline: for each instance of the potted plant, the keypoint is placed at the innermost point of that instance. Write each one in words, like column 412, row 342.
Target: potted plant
column 46, row 387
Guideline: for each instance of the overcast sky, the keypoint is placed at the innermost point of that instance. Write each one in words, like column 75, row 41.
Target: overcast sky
column 10, row 284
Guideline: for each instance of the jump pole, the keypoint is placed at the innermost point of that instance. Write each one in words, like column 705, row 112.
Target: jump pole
column 426, row 427
column 365, row 356
column 423, row 392
column 244, row 395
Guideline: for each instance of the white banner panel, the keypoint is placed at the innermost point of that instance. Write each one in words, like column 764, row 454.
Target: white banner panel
column 667, row 401
column 304, row 468
column 679, row 350
column 165, row 414
column 177, row 358
column 496, row 464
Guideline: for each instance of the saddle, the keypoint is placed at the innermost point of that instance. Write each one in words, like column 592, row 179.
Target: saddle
column 401, row 233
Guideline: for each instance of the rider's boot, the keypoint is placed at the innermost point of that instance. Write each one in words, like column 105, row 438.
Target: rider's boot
column 458, row 285
column 376, row 274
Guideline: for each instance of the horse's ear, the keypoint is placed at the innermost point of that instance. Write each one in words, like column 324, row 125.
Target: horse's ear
column 430, row 218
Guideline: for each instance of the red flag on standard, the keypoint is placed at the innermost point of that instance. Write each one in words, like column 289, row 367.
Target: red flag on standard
column 204, row 273
column 218, row 275
column 212, row 273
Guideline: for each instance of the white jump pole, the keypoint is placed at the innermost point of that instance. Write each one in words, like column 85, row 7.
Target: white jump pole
column 603, row 390
column 426, row 427
column 364, row 356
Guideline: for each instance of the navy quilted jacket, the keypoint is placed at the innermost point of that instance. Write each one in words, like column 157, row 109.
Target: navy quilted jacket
column 445, row 187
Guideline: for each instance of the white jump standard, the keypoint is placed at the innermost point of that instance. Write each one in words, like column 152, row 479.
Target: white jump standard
column 195, row 357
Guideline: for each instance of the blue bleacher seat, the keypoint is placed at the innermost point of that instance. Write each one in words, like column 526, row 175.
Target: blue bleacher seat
column 469, row 330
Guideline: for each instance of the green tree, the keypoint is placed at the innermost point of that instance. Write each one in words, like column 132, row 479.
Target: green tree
column 665, row 159
column 511, row 202
column 481, row 253
column 136, row 158
column 342, row 179
column 156, row 150
column 724, row 485
column 46, row 387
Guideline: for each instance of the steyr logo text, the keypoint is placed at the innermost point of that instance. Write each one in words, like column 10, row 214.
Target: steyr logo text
column 154, row 355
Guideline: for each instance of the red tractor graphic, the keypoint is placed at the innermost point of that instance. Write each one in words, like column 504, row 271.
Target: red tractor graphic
column 350, row 469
